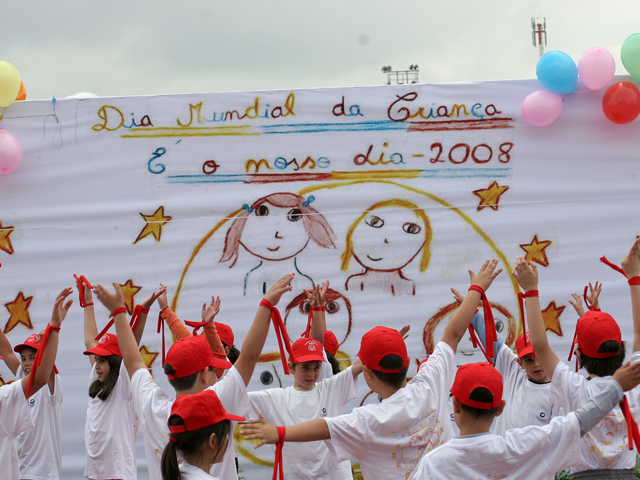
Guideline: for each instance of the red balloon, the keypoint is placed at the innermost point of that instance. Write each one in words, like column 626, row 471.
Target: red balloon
column 621, row 102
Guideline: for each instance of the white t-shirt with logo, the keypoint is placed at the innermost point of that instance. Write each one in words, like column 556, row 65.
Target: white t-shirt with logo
column 522, row 453
column 15, row 418
column 40, row 448
column 288, row 406
column 389, row 438
column 110, row 432
column 154, row 408
column 527, row 402
column 606, row 445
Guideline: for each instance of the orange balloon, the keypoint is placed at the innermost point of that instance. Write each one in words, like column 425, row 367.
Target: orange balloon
column 22, row 94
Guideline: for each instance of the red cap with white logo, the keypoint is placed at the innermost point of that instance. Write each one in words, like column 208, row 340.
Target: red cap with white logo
column 107, row 345
column 307, row 350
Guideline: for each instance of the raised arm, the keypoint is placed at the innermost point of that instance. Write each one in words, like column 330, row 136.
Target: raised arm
column 310, row 431
column 126, row 339
column 90, row 327
column 173, row 322
column 6, row 351
column 461, row 319
column 631, row 268
column 254, row 341
column 146, row 305
column 527, row 276
column 317, row 296
column 209, row 312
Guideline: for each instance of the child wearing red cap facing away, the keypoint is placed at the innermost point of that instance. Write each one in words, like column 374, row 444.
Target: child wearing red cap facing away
column 606, row 451
column 190, row 367
column 201, row 431
column 521, row 453
column 390, row 437
column 15, row 404
column 331, row 347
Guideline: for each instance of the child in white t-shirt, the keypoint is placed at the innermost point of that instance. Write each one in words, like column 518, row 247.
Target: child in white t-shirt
column 389, row 438
column 522, row 453
column 601, row 351
column 190, row 367
column 15, row 415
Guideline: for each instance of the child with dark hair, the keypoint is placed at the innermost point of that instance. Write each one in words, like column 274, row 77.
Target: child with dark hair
column 200, row 432
column 530, row 452
column 389, row 438
column 605, row 451
column 331, row 346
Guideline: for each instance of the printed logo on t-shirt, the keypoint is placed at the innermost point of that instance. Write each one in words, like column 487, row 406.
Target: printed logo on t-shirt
column 32, row 402
column 311, row 346
column 324, row 413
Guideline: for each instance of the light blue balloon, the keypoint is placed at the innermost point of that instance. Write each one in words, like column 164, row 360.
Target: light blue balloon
column 557, row 72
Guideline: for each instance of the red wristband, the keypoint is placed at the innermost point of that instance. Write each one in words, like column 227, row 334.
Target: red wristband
column 318, row 309
column 55, row 329
column 266, row 303
column 87, row 304
column 531, row 293
column 144, row 310
column 634, row 281
column 117, row 311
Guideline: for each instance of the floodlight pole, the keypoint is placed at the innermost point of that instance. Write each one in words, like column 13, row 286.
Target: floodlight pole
column 538, row 31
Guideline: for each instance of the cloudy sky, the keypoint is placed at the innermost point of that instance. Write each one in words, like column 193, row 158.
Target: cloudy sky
column 168, row 46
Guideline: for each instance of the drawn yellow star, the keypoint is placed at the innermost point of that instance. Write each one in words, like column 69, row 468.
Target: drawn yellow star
column 148, row 357
column 5, row 241
column 551, row 316
column 536, row 251
column 393, row 455
column 398, row 465
column 153, row 224
column 19, row 310
column 129, row 290
column 490, row 196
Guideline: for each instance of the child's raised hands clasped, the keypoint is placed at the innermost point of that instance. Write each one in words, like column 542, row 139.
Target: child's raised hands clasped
column 317, row 294
column 155, row 296
column 210, row 311
column 526, row 274
column 162, row 299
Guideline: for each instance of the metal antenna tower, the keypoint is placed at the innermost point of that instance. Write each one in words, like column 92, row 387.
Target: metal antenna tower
column 539, row 30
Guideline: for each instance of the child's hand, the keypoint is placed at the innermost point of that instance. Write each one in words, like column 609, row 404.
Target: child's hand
column 210, row 312
column 404, row 331
column 459, row 298
column 60, row 308
column 162, row 299
column 631, row 263
column 628, row 376
column 108, row 299
column 577, row 304
column 88, row 297
column 317, row 294
column 486, row 275
column 526, row 274
column 266, row 432
column 594, row 293
column 278, row 288
column 154, row 296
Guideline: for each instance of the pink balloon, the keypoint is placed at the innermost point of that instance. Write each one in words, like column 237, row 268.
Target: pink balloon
column 596, row 68
column 10, row 152
column 541, row 108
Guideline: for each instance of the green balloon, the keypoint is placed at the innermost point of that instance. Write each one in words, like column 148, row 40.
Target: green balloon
column 630, row 54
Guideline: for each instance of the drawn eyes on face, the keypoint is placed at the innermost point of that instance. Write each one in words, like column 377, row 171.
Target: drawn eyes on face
column 262, row 211
column 411, row 228
column 332, row 307
column 294, row 215
column 374, row 221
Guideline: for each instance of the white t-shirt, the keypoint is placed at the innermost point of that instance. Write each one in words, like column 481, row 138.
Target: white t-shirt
column 154, row 408
column 530, row 452
column 326, row 370
column 527, row 402
column 40, row 448
column 606, row 445
column 189, row 472
column 110, row 432
column 389, row 438
column 288, row 406
column 15, row 418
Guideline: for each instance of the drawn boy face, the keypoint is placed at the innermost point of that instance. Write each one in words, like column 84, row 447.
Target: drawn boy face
column 274, row 233
column 388, row 239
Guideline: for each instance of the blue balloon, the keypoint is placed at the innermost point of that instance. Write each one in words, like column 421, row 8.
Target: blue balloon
column 557, row 72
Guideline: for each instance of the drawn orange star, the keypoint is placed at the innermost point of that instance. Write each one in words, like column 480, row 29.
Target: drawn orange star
column 5, row 241
column 551, row 316
column 148, row 357
column 536, row 251
column 153, row 224
column 393, row 455
column 490, row 196
column 129, row 290
column 19, row 310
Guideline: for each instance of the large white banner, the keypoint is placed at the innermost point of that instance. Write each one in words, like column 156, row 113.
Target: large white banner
column 392, row 193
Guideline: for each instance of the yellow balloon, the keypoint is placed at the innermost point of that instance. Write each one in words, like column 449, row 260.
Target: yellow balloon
column 9, row 84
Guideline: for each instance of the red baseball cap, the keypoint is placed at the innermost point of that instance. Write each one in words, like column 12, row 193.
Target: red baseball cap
column 476, row 375
column 192, row 355
column 379, row 342
column 307, row 350
column 107, row 345
column 593, row 329
column 331, row 344
column 225, row 333
column 199, row 411
column 523, row 349
column 32, row 341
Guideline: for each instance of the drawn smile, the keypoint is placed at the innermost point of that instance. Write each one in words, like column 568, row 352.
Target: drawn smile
column 374, row 259
column 273, row 249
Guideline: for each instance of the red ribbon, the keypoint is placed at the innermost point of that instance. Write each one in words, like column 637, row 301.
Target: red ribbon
column 632, row 426
column 477, row 343
column 113, row 314
column 587, row 302
column 634, row 281
column 79, row 281
column 196, row 326
column 38, row 360
column 604, row 260
column 307, row 332
column 281, row 333
column 521, row 297
column 489, row 324
column 161, row 327
column 278, row 466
